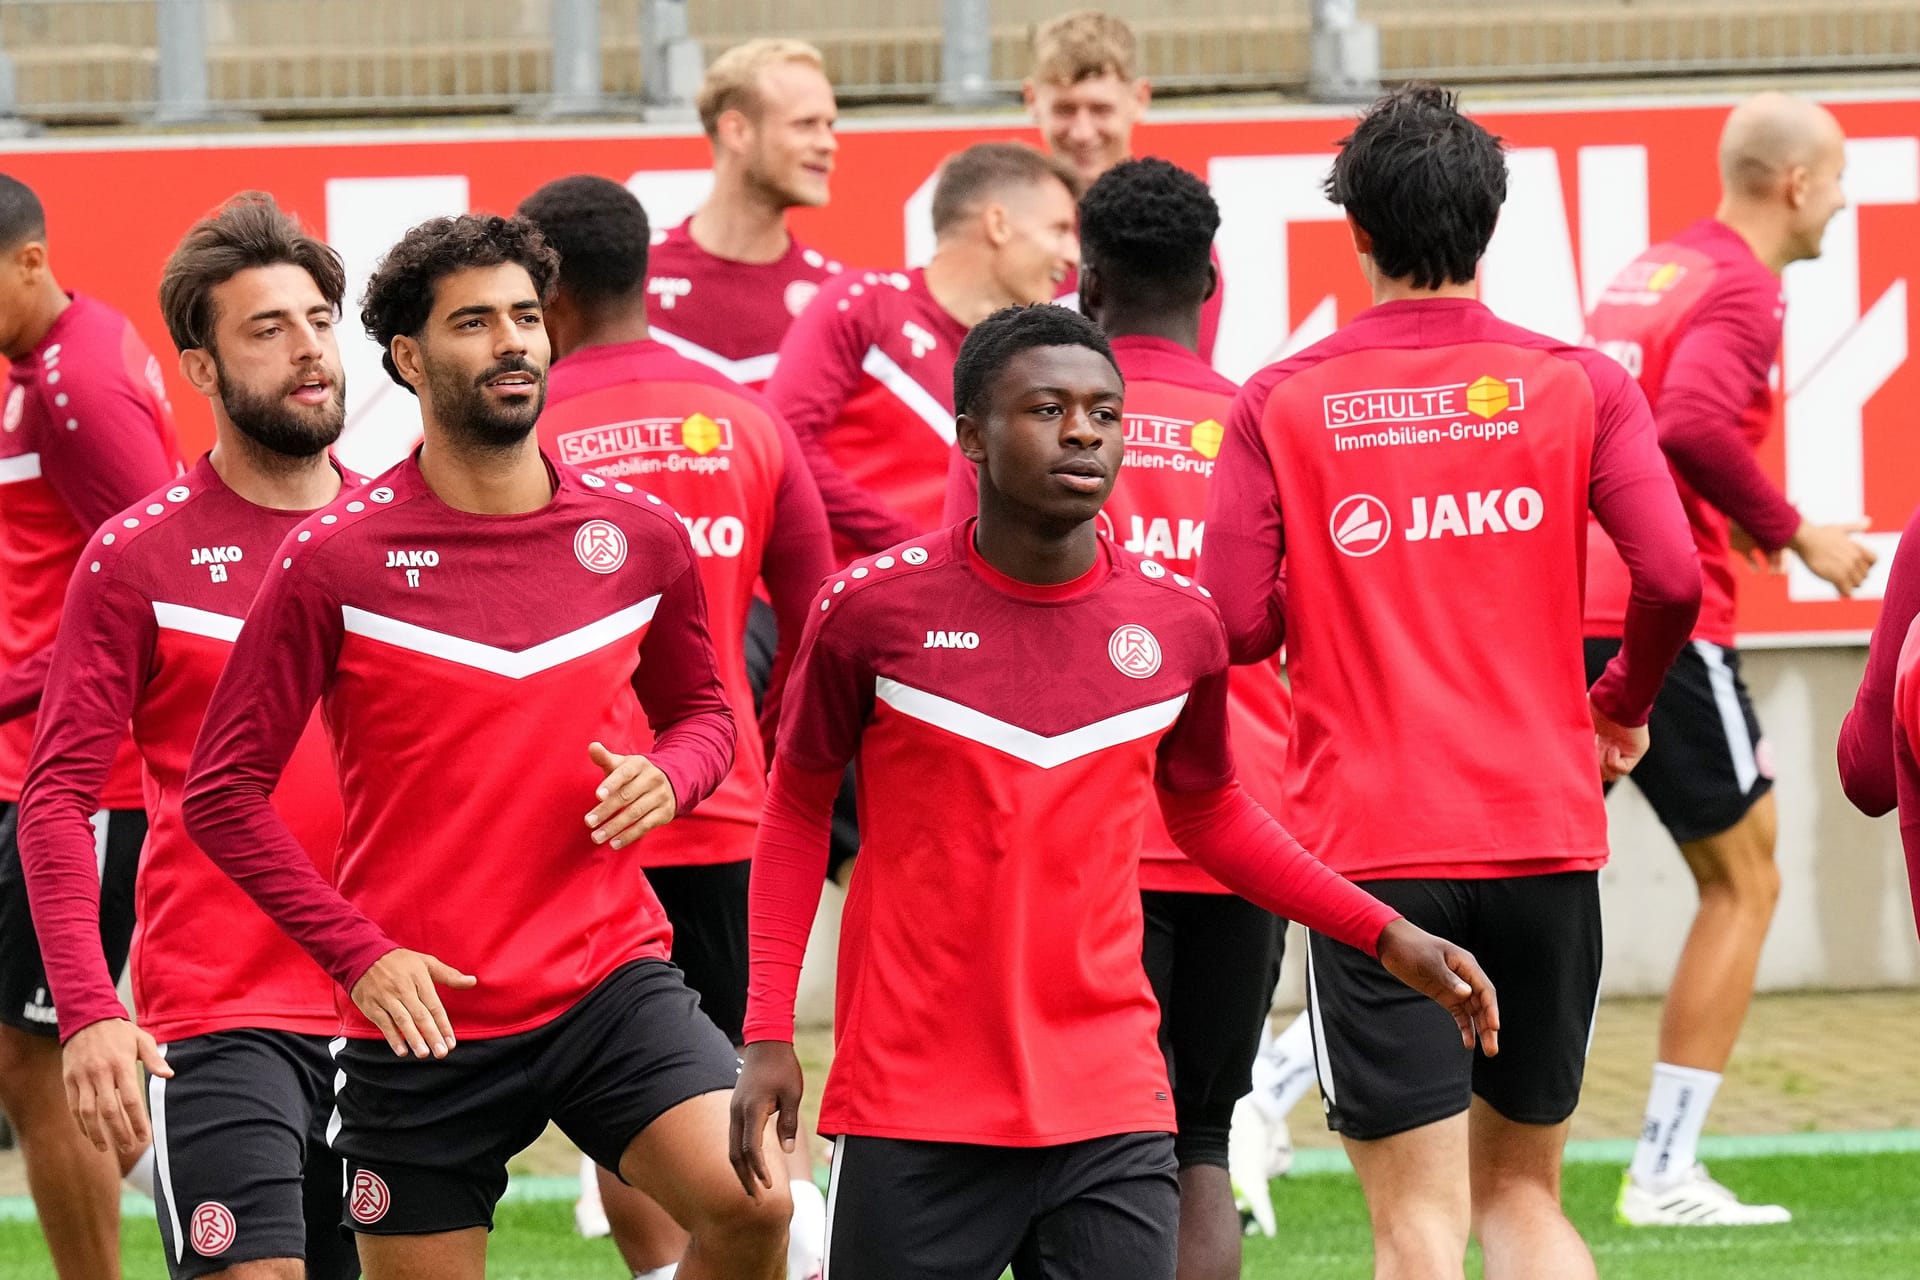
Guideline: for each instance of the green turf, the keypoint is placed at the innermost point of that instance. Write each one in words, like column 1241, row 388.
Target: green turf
column 1856, row 1218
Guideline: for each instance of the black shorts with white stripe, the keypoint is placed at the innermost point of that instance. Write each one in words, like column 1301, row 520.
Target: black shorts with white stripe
column 1390, row 1059
column 26, row 1001
column 242, row 1170
column 1708, row 762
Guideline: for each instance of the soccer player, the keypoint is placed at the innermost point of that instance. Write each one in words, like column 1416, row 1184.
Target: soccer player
column 242, row 1082
column 1427, row 473
column 625, row 407
column 866, row 375
column 1213, row 959
column 1880, row 738
column 1697, row 320
column 477, row 626
column 88, row 431
column 1014, row 688
column 1086, row 93
column 728, row 281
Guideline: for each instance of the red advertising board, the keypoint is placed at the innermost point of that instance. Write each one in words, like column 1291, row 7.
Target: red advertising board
column 1592, row 184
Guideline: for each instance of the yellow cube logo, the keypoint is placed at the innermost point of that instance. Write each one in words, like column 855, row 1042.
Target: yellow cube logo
column 1663, row 279
column 1205, row 438
column 1488, row 396
column 700, row 434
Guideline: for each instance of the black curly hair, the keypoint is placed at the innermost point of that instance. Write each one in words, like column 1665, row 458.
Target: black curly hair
column 1425, row 182
column 1005, row 334
column 400, row 296
column 1146, row 227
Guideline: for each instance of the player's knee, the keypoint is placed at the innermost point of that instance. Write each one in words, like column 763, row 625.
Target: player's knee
column 740, row 1220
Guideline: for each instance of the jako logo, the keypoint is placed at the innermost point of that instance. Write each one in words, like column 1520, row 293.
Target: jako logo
column 1360, row 525
column 216, row 555
column 952, row 640
column 722, row 536
column 1495, row 511
column 412, row 559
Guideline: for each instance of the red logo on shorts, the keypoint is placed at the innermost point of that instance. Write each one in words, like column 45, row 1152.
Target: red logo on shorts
column 600, row 546
column 213, row 1229
column 369, row 1199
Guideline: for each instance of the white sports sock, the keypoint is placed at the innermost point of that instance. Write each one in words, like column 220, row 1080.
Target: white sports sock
column 1670, row 1135
column 807, row 1231
column 659, row 1273
column 140, row 1177
column 1283, row 1070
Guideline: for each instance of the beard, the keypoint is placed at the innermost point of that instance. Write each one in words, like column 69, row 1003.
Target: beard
column 480, row 420
column 279, row 425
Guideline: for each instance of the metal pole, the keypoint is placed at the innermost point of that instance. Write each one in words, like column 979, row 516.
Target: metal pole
column 966, row 53
column 180, row 66
column 672, row 62
column 576, row 59
column 1345, row 54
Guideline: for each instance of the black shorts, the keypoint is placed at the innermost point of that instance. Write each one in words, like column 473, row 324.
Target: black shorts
column 1104, row 1209
column 1707, row 762
column 26, row 1001
column 242, row 1170
column 427, row 1141
column 707, row 907
column 1390, row 1059
column 1213, row 960
column 762, row 641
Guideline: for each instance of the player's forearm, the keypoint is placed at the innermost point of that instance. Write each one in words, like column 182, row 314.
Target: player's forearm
column 1865, row 749
column 1255, row 619
column 235, row 824
column 1698, row 437
column 58, row 855
column 789, row 872
column 1233, row 839
column 678, row 683
column 1643, row 517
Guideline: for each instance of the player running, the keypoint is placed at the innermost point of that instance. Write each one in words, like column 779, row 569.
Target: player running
column 242, row 1082
column 728, row 281
column 626, row 407
column 1213, row 958
column 1014, row 688
column 1085, row 92
column 477, row 625
column 1697, row 320
column 866, row 376
column 88, row 430
column 1426, row 473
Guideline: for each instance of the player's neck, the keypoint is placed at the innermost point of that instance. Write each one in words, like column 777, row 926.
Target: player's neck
column 265, row 478
column 48, row 307
column 609, row 331
column 960, row 278
column 1386, row 289
column 741, row 226
column 1038, row 553
column 1760, row 229
column 485, row 481
column 1181, row 328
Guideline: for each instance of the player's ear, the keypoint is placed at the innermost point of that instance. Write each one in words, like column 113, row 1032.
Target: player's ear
column 1799, row 180
column 1093, row 289
column 967, row 439
column 198, row 368
column 1213, row 281
column 1031, row 99
column 1142, row 92
column 1362, row 242
column 404, row 351
column 997, row 223
column 31, row 258
column 732, row 128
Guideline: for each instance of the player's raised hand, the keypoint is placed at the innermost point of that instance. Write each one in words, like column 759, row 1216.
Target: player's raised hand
column 103, row 1089
column 1831, row 552
column 1448, row 974
column 770, row 1082
column 635, row 797
column 399, row 995
column 1617, row 747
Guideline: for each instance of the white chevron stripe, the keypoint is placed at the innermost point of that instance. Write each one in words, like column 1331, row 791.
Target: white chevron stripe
column 750, row 369
column 880, row 366
column 501, row 662
column 199, row 622
column 21, row 466
column 1024, row 744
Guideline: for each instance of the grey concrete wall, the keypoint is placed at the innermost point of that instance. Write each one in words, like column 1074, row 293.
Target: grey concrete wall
column 1845, row 918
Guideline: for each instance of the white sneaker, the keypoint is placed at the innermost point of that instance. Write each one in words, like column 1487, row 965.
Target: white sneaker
column 1695, row 1201
column 1250, row 1145
column 807, row 1233
column 589, row 1215
column 139, row 1179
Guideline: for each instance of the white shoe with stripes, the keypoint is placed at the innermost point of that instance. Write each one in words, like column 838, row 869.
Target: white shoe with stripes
column 1695, row 1201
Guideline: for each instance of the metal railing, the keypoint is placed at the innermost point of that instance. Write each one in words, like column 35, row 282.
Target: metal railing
column 179, row 60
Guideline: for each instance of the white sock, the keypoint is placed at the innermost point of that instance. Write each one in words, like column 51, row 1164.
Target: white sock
column 1670, row 1135
column 140, row 1177
column 1283, row 1070
column 807, row 1232
column 659, row 1273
